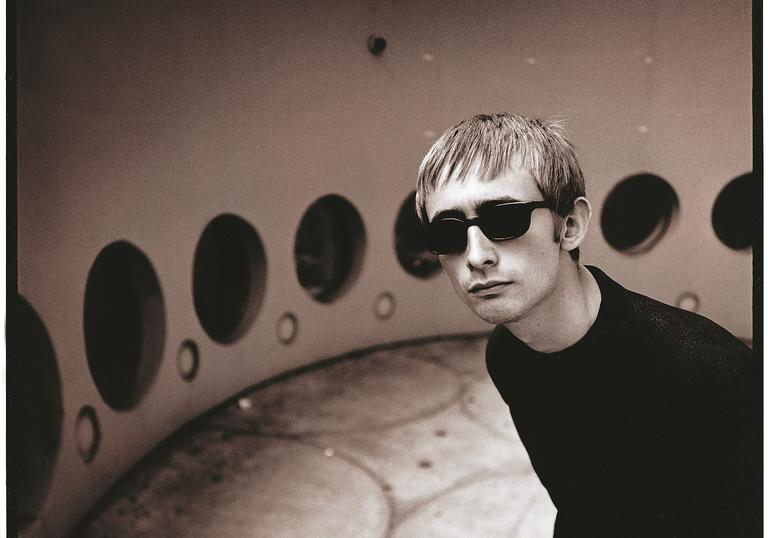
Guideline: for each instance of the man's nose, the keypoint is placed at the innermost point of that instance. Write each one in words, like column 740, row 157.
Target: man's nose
column 481, row 251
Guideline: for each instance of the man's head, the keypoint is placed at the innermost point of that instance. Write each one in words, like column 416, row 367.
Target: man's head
column 490, row 144
column 501, row 197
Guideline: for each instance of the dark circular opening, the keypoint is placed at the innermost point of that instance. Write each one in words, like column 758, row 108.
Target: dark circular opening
column 35, row 409
column 124, row 322
column 410, row 248
column 88, row 433
column 329, row 248
column 230, row 273
column 638, row 212
column 376, row 44
column 733, row 215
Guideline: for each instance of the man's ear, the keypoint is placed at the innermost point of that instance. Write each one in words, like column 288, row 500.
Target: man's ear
column 575, row 228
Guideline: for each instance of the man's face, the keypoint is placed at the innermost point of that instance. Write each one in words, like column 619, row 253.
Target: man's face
column 501, row 281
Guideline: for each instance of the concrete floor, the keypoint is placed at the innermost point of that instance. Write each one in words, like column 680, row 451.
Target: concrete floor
column 406, row 442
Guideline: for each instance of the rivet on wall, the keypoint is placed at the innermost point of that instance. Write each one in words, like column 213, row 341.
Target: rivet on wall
column 188, row 360
column 384, row 305
column 287, row 328
column 688, row 301
column 88, row 433
column 376, row 44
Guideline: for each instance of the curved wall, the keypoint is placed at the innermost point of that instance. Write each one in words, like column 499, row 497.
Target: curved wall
column 138, row 126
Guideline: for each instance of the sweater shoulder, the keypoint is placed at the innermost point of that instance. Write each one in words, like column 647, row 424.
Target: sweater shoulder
column 692, row 338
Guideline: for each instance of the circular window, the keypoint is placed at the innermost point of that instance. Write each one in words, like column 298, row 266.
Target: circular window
column 35, row 408
column 733, row 215
column 124, row 322
column 411, row 250
column 230, row 273
column 638, row 213
column 329, row 248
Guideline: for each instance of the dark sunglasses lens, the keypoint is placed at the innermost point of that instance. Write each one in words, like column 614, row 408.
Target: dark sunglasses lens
column 505, row 221
column 446, row 236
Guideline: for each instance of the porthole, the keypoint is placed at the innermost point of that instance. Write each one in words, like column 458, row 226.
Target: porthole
column 329, row 248
column 230, row 273
column 88, row 433
column 410, row 248
column 638, row 213
column 733, row 215
column 35, row 409
column 124, row 322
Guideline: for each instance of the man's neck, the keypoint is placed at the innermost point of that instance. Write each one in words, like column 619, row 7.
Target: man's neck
column 565, row 316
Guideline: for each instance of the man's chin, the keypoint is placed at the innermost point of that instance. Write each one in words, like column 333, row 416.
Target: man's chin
column 496, row 317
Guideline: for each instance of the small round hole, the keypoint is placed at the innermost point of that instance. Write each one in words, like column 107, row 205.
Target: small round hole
column 688, row 301
column 229, row 278
column 329, row 248
column 376, row 44
column 287, row 328
column 384, row 305
column 638, row 212
column 124, row 323
column 410, row 248
column 733, row 215
column 88, row 433
column 36, row 412
column 188, row 360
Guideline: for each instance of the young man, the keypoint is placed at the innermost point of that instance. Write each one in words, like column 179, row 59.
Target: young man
column 640, row 419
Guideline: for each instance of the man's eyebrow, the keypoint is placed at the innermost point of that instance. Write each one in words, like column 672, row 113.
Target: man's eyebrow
column 453, row 212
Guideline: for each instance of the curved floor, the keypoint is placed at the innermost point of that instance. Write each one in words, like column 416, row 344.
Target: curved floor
column 412, row 441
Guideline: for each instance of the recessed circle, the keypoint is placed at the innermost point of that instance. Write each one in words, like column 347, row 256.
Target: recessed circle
column 733, row 215
column 410, row 248
column 124, row 323
column 384, row 305
column 230, row 273
column 376, row 44
column 638, row 212
column 36, row 412
column 188, row 360
column 88, row 433
column 329, row 248
column 287, row 328
column 688, row 301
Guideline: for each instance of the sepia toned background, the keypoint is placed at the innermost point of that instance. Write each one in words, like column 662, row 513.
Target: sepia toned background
column 213, row 193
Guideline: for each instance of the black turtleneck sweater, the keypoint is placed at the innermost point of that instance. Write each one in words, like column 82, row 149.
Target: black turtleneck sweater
column 648, row 426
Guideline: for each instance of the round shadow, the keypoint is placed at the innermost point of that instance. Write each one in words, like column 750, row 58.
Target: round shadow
column 410, row 247
column 34, row 408
column 733, row 215
column 638, row 213
column 329, row 248
column 124, row 324
column 230, row 273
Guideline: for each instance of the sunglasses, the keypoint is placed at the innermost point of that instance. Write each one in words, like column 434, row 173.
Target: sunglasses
column 498, row 222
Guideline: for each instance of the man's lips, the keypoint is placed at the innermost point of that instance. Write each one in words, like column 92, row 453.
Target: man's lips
column 487, row 287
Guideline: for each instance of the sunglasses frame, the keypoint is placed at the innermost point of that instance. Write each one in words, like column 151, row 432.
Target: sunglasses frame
column 477, row 221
